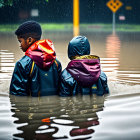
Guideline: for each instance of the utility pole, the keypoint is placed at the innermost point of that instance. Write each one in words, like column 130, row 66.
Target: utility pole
column 75, row 17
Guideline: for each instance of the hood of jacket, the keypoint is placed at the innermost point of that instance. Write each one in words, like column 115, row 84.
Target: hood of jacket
column 78, row 46
column 42, row 53
column 85, row 69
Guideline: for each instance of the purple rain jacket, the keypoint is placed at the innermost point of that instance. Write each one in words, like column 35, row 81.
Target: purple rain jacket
column 83, row 74
column 37, row 73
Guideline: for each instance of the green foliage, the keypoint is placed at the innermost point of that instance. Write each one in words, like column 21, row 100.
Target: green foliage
column 6, row 3
column 68, row 27
column 10, row 2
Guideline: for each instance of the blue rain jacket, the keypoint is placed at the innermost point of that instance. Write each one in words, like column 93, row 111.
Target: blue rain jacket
column 37, row 73
column 83, row 74
column 70, row 87
column 38, row 83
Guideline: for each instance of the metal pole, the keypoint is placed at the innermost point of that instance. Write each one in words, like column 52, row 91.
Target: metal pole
column 113, row 23
column 75, row 17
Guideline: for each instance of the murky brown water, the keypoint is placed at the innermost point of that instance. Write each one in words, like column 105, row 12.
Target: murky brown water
column 79, row 117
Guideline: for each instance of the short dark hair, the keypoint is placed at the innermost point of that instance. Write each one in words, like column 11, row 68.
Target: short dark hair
column 33, row 35
column 29, row 29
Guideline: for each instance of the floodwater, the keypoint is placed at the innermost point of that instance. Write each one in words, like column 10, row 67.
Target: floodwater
column 114, row 117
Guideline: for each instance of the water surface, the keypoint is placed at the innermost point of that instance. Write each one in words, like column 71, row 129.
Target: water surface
column 88, row 117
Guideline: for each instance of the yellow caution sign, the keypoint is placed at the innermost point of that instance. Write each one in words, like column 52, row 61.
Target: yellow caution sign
column 114, row 5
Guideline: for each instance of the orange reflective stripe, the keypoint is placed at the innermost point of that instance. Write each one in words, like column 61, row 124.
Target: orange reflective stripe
column 32, row 68
column 56, row 63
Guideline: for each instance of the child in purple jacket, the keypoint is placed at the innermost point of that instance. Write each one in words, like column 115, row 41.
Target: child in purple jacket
column 83, row 74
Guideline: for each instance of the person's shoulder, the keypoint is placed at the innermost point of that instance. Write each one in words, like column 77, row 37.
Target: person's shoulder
column 25, row 63
column 103, row 75
column 65, row 74
column 67, row 77
column 58, row 64
column 57, row 61
column 25, row 60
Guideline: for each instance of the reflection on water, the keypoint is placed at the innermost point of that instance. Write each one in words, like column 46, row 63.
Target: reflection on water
column 7, row 127
column 54, row 117
column 6, row 68
column 120, row 118
column 111, row 64
column 6, row 64
column 113, row 45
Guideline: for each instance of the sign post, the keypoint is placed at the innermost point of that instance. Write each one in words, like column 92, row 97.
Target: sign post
column 114, row 5
column 113, row 23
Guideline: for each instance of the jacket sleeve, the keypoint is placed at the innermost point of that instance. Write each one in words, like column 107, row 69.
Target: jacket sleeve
column 65, row 84
column 59, row 68
column 19, row 84
column 104, row 82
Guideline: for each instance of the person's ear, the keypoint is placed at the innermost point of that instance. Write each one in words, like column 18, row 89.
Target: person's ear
column 30, row 40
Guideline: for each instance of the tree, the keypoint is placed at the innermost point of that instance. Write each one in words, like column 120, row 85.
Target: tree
column 6, row 3
column 10, row 2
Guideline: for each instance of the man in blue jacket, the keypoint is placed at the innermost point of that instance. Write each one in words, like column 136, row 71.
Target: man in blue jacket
column 83, row 74
column 36, row 73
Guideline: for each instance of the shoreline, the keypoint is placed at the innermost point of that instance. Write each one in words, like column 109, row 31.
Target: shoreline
column 98, row 27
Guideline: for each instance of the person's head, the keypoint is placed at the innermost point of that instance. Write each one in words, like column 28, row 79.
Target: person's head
column 27, row 33
column 78, row 46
